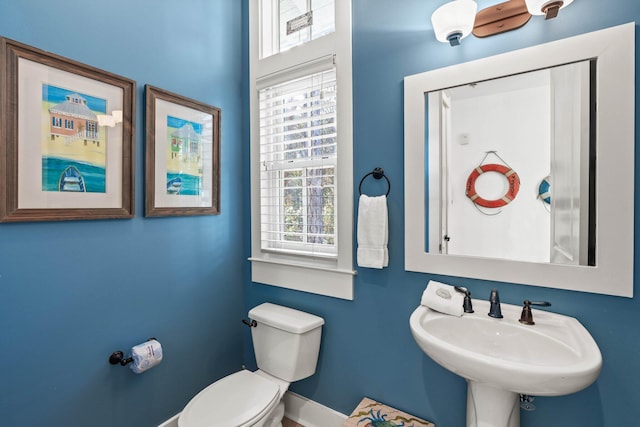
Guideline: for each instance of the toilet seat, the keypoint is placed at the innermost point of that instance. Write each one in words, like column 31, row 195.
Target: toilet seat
column 237, row 400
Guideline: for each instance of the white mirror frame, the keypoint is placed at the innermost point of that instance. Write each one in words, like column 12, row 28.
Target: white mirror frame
column 614, row 49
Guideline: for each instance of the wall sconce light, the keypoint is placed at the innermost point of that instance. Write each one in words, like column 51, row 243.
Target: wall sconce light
column 110, row 120
column 548, row 8
column 453, row 21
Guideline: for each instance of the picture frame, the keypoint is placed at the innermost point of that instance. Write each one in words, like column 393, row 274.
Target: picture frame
column 182, row 164
column 58, row 159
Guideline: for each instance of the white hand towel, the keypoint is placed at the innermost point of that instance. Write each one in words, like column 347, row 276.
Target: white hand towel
column 373, row 232
column 443, row 298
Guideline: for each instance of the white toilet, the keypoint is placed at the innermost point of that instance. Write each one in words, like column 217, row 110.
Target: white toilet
column 286, row 344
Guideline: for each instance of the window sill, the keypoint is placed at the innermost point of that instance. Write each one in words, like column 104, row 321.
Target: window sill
column 311, row 278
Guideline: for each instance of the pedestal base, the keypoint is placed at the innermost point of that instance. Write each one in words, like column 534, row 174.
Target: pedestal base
column 488, row 406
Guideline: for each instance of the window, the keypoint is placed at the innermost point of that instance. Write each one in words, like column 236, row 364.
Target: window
column 298, row 162
column 92, row 130
column 301, row 145
column 288, row 23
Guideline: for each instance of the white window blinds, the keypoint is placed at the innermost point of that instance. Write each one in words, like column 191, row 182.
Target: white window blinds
column 298, row 159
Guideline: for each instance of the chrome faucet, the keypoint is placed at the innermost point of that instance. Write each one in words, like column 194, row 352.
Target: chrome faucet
column 494, row 309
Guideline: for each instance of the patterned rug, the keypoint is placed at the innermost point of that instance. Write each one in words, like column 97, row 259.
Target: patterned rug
column 370, row 413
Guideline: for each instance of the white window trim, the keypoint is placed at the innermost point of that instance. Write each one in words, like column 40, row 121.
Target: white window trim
column 334, row 276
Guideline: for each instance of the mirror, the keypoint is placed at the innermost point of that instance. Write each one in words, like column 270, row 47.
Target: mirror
column 576, row 126
column 514, row 181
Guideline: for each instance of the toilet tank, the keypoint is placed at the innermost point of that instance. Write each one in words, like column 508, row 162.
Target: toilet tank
column 286, row 341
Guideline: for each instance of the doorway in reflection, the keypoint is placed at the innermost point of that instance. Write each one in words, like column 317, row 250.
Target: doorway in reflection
column 538, row 125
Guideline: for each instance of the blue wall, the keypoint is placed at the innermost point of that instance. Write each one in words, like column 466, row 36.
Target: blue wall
column 63, row 312
column 367, row 347
column 73, row 292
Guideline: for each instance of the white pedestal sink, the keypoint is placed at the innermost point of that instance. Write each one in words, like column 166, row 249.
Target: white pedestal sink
column 502, row 358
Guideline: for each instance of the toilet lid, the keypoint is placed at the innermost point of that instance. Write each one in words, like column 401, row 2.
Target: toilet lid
column 233, row 401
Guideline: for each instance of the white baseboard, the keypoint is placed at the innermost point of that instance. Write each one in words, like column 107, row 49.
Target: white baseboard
column 299, row 409
column 171, row 422
column 309, row 413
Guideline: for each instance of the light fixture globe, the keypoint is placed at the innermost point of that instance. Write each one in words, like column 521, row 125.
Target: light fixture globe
column 548, row 8
column 453, row 21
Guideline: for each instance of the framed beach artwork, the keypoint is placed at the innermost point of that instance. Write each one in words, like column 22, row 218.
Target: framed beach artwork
column 66, row 138
column 182, row 155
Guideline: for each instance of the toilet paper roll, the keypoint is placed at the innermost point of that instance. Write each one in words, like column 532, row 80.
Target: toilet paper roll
column 146, row 356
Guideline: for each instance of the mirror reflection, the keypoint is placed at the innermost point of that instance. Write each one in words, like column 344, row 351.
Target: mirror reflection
column 511, row 167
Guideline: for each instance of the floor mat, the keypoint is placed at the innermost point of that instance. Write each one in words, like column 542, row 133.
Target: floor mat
column 370, row 413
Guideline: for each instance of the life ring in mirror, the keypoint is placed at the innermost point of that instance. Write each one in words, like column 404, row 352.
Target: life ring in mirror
column 544, row 190
column 512, row 178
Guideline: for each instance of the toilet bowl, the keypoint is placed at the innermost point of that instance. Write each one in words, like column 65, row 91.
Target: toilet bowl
column 286, row 344
column 238, row 400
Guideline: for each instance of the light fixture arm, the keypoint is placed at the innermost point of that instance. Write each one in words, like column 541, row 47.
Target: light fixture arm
column 551, row 10
column 454, row 38
column 548, row 8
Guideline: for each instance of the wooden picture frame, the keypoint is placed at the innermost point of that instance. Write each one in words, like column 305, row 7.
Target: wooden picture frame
column 57, row 161
column 182, row 175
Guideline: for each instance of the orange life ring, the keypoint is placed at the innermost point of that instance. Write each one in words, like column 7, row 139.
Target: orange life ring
column 512, row 192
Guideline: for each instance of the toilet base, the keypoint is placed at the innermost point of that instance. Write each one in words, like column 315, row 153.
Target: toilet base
column 274, row 419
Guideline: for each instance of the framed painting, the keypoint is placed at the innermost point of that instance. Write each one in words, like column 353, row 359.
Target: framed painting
column 66, row 138
column 182, row 155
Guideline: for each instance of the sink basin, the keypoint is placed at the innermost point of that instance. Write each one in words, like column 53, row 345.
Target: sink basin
column 503, row 358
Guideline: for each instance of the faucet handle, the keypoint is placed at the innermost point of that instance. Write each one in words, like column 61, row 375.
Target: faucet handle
column 539, row 303
column 527, row 317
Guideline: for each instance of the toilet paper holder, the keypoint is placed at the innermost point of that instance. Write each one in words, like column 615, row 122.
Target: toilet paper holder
column 118, row 357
